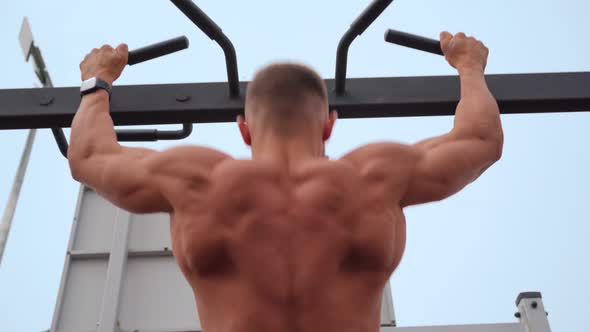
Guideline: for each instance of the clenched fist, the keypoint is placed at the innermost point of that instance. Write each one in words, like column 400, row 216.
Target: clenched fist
column 464, row 53
column 106, row 62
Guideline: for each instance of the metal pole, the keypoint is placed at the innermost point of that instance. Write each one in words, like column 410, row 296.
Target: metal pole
column 15, row 192
column 29, row 49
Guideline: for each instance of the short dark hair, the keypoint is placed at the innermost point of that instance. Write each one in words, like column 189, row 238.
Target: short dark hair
column 286, row 83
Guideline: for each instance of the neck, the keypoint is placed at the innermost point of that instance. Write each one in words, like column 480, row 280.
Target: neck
column 289, row 152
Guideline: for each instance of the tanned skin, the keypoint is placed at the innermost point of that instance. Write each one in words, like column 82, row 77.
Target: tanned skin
column 288, row 241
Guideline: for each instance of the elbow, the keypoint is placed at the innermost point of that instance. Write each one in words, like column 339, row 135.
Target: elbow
column 494, row 137
column 76, row 162
column 75, row 169
column 498, row 143
column 496, row 149
column 494, row 145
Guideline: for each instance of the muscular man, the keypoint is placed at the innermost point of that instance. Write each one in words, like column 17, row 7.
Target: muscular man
column 288, row 241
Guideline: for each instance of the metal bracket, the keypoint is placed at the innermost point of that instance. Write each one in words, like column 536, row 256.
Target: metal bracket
column 371, row 13
column 213, row 31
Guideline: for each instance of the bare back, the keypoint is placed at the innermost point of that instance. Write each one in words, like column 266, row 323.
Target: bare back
column 299, row 248
column 306, row 250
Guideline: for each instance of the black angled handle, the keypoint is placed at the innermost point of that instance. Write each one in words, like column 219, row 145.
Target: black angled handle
column 157, row 50
column 413, row 41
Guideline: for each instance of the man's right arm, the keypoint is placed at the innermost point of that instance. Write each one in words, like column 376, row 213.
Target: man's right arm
column 444, row 165
column 136, row 179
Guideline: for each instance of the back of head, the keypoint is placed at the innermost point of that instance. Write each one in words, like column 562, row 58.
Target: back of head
column 286, row 97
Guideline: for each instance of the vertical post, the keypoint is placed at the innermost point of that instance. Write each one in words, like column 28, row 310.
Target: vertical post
column 108, row 319
column 532, row 313
column 15, row 192
column 387, row 310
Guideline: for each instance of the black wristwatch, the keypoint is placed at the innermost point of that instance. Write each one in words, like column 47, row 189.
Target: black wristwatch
column 94, row 84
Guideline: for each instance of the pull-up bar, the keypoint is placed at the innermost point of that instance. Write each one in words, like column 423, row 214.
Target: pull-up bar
column 364, row 97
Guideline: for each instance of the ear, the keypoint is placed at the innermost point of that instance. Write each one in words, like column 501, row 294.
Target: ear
column 244, row 129
column 329, row 125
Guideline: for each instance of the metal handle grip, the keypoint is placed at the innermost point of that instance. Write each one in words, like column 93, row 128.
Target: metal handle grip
column 135, row 135
column 157, row 50
column 413, row 41
column 153, row 135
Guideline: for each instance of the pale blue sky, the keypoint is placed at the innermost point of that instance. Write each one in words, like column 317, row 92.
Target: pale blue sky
column 523, row 226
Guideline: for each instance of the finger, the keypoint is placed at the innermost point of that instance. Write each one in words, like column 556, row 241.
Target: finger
column 123, row 48
column 123, row 51
column 460, row 35
column 445, row 39
column 333, row 115
column 106, row 47
column 445, row 35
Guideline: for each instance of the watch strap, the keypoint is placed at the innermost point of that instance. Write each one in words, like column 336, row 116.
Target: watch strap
column 96, row 85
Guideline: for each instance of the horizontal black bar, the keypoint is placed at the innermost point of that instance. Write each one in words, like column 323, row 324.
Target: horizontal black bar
column 137, row 135
column 413, row 41
column 365, row 98
column 157, row 50
column 153, row 135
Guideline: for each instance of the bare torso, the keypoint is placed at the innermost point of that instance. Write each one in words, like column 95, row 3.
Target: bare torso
column 305, row 250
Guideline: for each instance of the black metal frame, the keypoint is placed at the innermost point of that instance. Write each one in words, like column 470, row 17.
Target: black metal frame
column 353, row 98
column 365, row 97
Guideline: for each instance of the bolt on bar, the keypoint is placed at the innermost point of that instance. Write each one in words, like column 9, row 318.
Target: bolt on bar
column 374, row 10
column 413, row 41
column 214, row 32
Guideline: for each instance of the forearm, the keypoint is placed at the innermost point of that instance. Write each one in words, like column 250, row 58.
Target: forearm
column 92, row 130
column 477, row 115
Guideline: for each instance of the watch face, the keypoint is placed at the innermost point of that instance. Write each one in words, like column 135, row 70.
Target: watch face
column 89, row 84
